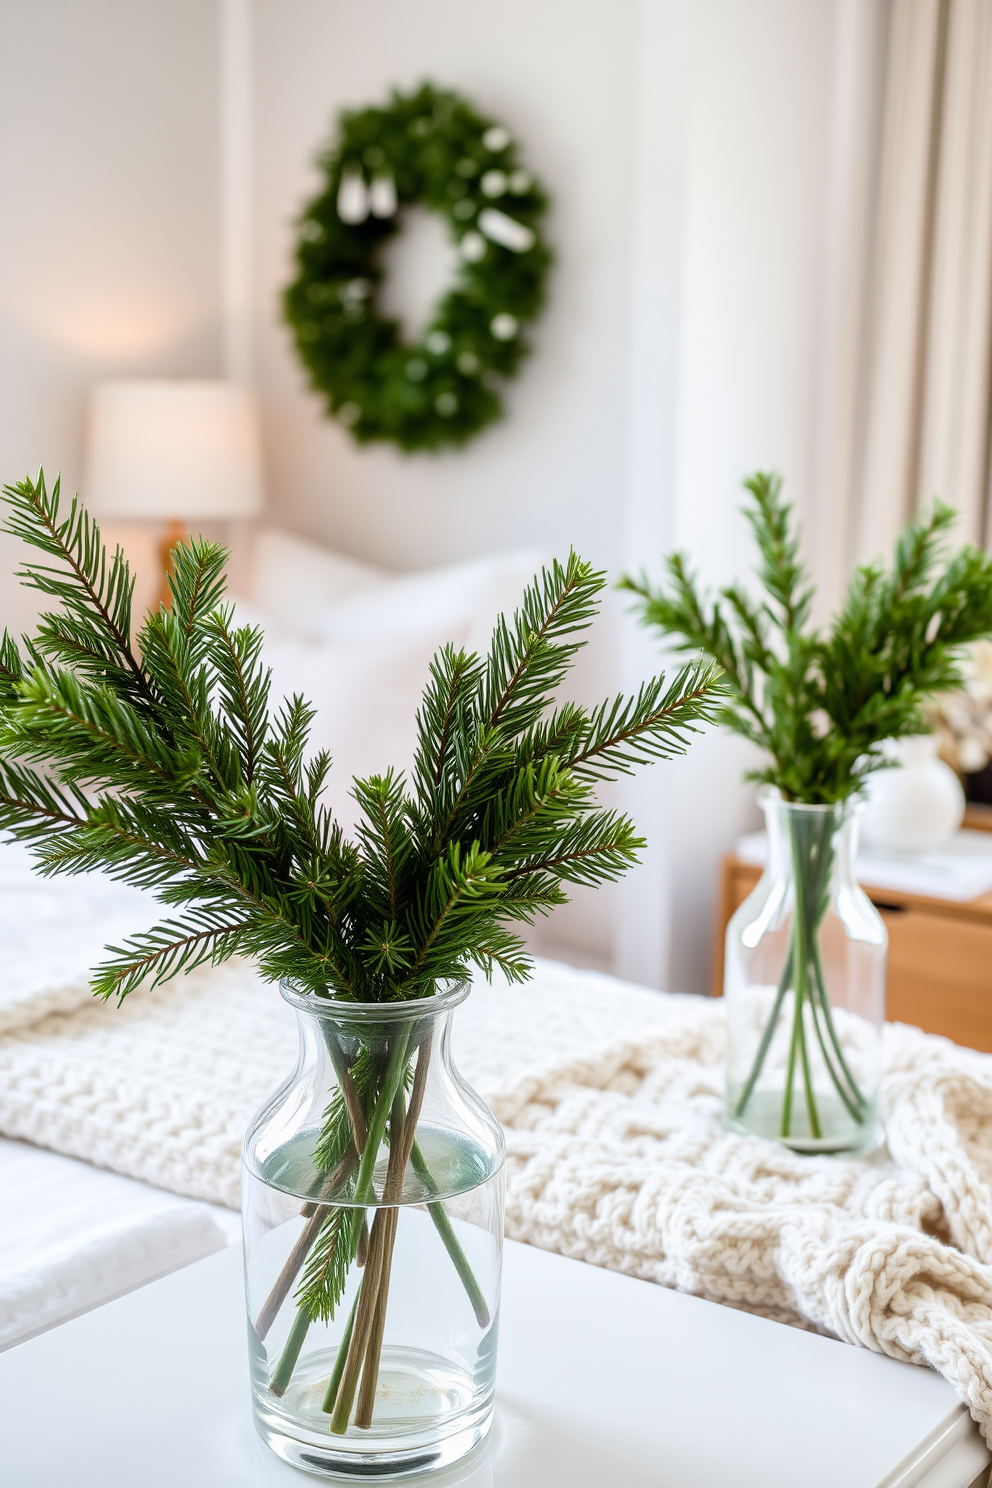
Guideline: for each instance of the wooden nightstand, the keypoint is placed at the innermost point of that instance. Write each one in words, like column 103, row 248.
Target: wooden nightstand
column 940, row 952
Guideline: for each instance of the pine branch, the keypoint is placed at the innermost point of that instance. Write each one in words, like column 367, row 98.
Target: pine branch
column 384, row 839
column 455, row 678
column 169, row 773
column 496, row 947
column 327, row 1268
column 654, row 725
column 244, row 685
column 196, row 582
column 593, row 850
column 129, row 841
column 821, row 706
column 293, row 786
column 11, row 666
column 91, row 588
column 97, row 735
column 456, row 886
column 529, row 659
column 782, row 574
column 157, row 954
column 31, row 805
column 183, row 680
column 537, row 798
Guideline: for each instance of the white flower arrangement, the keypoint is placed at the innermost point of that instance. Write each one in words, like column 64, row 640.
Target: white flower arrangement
column 962, row 720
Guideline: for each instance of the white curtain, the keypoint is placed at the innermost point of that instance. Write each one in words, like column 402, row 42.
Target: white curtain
column 926, row 401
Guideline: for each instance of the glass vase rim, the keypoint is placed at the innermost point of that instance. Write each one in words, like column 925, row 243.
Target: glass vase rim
column 852, row 805
column 341, row 1009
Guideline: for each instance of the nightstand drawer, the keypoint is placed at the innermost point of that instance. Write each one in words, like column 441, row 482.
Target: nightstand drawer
column 940, row 974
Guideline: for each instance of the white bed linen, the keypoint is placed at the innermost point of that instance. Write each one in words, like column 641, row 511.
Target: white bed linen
column 73, row 1237
column 52, row 931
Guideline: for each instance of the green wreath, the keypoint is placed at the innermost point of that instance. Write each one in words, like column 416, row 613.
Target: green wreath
column 430, row 147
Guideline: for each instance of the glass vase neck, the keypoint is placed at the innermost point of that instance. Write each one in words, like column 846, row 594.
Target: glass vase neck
column 797, row 830
column 344, row 1010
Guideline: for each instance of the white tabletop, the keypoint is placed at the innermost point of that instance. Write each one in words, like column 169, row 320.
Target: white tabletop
column 603, row 1380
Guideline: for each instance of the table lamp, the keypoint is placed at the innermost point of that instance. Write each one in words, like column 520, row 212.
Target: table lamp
column 176, row 450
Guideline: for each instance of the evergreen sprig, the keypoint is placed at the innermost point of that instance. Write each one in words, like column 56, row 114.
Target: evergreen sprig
column 160, row 759
column 327, row 1266
column 821, row 705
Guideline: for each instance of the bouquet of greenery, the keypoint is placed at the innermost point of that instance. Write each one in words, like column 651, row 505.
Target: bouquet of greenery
column 821, row 706
column 157, row 759
column 962, row 720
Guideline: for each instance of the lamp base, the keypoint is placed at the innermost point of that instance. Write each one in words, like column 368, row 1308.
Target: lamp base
column 175, row 533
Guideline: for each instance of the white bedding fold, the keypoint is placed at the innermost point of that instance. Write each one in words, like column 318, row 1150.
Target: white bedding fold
column 53, row 931
column 73, row 1237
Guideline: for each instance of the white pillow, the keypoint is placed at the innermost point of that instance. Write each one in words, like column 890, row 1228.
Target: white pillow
column 366, row 675
column 366, row 691
column 292, row 580
column 461, row 597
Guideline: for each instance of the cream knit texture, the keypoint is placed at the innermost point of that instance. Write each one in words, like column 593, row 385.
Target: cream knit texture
column 611, row 1099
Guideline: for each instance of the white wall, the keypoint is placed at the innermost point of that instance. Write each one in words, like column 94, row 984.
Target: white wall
column 756, row 97
column 109, row 238
column 773, row 221
column 559, row 73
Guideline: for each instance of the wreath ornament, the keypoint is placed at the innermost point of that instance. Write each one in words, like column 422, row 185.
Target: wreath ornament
column 429, row 147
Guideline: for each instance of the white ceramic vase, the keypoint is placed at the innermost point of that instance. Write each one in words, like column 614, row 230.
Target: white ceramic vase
column 915, row 807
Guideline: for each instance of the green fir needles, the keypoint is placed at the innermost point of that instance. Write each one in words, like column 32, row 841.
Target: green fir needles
column 821, row 705
column 160, row 759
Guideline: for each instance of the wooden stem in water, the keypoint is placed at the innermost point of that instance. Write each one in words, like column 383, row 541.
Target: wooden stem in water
column 365, row 1343
column 315, row 1213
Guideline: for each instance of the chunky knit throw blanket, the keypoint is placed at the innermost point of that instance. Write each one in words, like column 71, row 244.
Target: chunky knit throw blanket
column 611, row 1100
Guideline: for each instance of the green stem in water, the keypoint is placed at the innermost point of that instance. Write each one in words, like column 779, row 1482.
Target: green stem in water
column 789, row 1072
column 334, row 1382
column 363, row 1321
column 392, row 1193
column 363, row 1188
column 812, row 862
column 811, row 1111
column 287, row 1362
column 801, row 871
column 443, row 1225
column 766, row 1037
column 391, row 1086
column 810, row 902
column 818, row 898
column 377, row 1128
column 828, row 1019
column 853, row 1110
column 818, row 1008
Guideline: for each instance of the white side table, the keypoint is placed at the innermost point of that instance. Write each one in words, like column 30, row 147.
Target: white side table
column 604, row 1382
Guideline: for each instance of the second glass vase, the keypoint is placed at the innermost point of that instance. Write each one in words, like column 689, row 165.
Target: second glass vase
column 373, row 1223
column 804, row 983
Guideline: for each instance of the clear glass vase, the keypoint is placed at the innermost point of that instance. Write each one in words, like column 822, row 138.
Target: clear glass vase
column 804, row 984
column 373, row 1226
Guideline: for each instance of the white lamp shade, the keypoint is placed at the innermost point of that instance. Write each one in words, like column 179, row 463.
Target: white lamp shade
column 173, row 449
